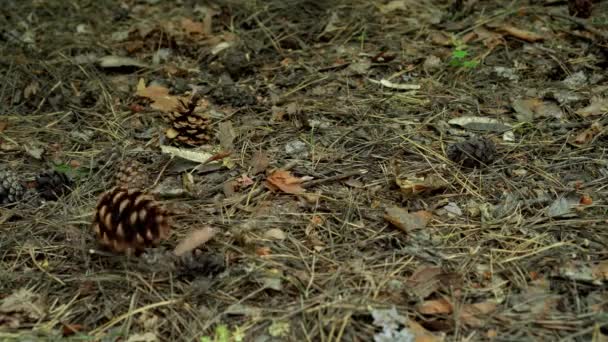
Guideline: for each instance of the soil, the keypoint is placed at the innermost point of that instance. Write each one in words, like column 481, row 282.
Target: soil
column 372, row 170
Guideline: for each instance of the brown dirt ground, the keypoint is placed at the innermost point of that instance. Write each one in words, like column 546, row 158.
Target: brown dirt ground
column 515, row 248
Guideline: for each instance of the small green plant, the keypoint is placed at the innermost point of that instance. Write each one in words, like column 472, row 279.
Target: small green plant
column 78, row 173
column 223, row 334
column 460, row 60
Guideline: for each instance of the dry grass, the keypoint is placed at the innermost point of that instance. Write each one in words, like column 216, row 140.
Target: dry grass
column 340, row 258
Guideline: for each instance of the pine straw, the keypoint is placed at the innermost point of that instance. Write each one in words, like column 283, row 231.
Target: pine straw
column 340, row 258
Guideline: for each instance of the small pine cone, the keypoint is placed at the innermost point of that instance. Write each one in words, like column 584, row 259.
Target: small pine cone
column 197, row 264
column 129, row 220
column 473, row 152
column 11, row 189
column 53, row 184
column 188, row 128
column 131, row 175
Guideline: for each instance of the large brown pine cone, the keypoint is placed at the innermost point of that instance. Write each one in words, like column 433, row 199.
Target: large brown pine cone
column 129, row 220
column 11, row 189
column 473, row 152
column 188, row 127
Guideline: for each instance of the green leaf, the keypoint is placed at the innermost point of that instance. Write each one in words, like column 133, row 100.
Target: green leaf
column 205, row 339
column 470, row 64
column 222, row 334
column 455, row 62
column 279, row 329
column 460, row 54
column 65, row 168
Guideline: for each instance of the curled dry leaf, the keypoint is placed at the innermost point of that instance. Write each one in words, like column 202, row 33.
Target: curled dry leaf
column 435, row 307
column 192, row 27
column 275, row 234
column 587, row 135
column 421, row 334
column 259, row 162
column 415, row 185
column 405, row 221
column 284, row 181
column 424, row 281
column 600, row 271
column 473, row 314
column 202, row 157
column 193, row 240
column 596, row 107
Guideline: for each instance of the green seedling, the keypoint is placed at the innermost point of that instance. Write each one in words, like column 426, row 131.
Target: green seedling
column 223, row 334
column 459, row 58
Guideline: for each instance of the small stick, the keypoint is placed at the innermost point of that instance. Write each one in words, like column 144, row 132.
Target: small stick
column 334, row 178
column 581, row 22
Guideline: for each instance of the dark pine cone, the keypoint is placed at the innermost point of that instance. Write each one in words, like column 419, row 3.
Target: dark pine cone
column 129, row 220
column 197, row 263
column 187, row 127
column 473, row 152
column 53, row 184
column 580, row 8
column 11, row 189
column 132, row 175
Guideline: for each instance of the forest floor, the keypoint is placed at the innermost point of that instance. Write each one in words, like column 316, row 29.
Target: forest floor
column 375, row 170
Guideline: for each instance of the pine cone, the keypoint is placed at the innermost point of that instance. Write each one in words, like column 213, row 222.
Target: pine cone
column 131, row 175
column 473, row 152
column 187, row 127
column 53, row 184
column 129, row 220
column 11, row 189
column 197, row 263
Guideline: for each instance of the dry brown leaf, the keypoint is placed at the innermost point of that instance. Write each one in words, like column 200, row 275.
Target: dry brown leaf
column 3, row 125
column 193, row 240
column 405, row 221
column 71, row 329
column 284, row 181
column 259, row 162
column 227, row 134
column 600, row 271
column 424, row 281
column 588, row 134
column 275, row 234
column 159, row 95
column 440, row 38
column 473, row 314
column 596, row 107
column 421, row 334
column 521, row 34
column 435, row 307
column 413, row 186
column 192, row 27
column 263, row 251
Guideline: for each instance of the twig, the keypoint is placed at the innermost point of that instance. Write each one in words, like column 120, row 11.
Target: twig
column 581, row 22
column 333, row 178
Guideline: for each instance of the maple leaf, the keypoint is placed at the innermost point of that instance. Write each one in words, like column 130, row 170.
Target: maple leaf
column 284, row 181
